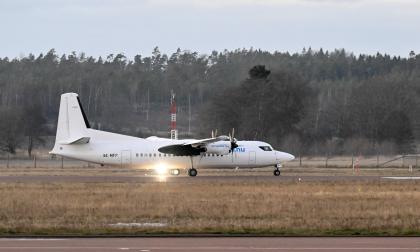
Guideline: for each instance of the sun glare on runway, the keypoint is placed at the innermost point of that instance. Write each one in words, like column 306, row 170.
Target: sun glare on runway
column 161, row 169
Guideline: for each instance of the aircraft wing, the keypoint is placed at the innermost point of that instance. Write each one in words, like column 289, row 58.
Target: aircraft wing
column 201, row 142
column 190, row 147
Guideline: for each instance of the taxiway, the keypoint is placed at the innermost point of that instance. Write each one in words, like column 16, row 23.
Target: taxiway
column 212, row 244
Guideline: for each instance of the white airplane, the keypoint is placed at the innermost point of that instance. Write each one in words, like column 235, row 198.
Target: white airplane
column 75, row 139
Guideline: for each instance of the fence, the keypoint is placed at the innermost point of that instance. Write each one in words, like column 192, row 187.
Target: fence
column 43, row 161
column 400, row 161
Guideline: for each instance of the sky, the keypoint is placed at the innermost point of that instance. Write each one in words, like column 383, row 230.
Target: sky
column 131, row 27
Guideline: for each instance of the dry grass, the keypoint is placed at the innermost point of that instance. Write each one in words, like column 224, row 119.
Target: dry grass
column 305, row 208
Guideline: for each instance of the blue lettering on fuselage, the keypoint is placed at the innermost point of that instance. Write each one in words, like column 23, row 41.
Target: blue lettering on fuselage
column 239, row 149
column 219, row 145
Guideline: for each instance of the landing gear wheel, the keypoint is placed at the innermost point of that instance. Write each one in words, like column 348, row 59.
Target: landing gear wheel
column 192, row 172
column 276, row 172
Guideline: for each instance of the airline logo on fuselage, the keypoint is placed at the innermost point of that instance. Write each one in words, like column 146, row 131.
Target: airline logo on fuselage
column 220, row 145
column 239, row 149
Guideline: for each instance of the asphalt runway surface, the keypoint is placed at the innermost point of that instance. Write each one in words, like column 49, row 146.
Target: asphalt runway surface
column 211, row 244
column 186, row 179
column 182, row 179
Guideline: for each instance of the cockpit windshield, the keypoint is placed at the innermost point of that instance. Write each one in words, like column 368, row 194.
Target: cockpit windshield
column 266, row 148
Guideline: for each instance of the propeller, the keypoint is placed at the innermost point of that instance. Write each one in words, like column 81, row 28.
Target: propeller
column 233, row 143
column 232, row 140
column 213, row 133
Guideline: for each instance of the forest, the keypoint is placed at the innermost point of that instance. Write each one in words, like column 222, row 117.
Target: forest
column 314, row 102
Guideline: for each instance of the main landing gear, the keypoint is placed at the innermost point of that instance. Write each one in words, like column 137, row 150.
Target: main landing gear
column 192, row 172
column 277, row 170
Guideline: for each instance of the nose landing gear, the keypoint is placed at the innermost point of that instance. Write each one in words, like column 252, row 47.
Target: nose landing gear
column 277, row 170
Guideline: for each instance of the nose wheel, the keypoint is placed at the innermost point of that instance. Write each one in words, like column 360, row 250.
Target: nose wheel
column 192, row 172
column 276, row 172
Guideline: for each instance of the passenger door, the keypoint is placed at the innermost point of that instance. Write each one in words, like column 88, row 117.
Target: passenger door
column 252, row 158
column 126, row 158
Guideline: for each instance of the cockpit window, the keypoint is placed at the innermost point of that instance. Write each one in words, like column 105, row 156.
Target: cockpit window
column 266, row 148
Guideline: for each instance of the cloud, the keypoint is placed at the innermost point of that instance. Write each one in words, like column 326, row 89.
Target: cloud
column 104, row 26
column 220, row 3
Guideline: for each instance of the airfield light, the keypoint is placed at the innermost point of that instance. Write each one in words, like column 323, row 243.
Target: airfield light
column 175, row 172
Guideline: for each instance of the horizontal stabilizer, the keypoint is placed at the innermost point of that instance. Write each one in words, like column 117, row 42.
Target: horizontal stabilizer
column 76, row 140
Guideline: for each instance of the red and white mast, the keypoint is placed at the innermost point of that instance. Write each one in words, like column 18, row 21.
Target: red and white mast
column 174, row 131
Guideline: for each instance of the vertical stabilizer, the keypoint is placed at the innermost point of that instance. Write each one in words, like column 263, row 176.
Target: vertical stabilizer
column 72, row 121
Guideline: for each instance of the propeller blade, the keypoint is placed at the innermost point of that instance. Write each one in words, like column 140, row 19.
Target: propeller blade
column 233, row 145
column 232, row 140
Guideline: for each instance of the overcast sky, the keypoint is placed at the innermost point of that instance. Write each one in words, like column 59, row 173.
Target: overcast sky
column 102, row 27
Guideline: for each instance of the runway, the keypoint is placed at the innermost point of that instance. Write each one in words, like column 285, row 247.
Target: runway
column 211, row 244
column 179, row 179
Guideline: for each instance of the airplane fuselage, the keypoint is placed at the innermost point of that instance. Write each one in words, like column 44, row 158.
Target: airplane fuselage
column 116, row 149
column 76, row 139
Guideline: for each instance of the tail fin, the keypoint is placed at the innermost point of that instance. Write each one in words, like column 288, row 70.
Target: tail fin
column 72, row 121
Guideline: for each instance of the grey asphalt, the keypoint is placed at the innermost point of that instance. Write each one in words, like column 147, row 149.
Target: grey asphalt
column 212, row 244
column 177, row 179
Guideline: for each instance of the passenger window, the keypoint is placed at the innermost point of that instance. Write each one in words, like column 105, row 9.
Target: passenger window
column 150, row 154
column 137, row 155
column 154, row 154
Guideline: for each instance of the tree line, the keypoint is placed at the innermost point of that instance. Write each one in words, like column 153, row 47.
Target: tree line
column 311, row 102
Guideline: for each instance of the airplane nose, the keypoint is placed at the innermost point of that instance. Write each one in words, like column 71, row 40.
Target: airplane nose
column 283, row 156
column 289, row 157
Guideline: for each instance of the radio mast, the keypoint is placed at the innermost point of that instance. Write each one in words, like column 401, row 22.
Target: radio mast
column 174, row 131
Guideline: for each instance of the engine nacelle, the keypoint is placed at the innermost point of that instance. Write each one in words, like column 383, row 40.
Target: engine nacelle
column 218, row 148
